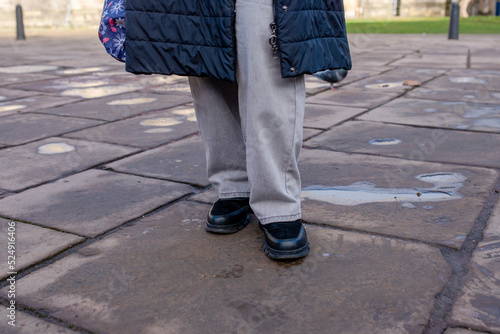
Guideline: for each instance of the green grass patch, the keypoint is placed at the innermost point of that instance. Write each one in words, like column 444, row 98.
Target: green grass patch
column 428, row 25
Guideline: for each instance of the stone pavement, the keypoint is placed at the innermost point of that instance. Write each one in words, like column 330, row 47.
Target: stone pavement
column 103, row 176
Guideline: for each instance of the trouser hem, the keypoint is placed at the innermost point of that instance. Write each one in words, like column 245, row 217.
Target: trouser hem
column 233, row 195
column 276, row 219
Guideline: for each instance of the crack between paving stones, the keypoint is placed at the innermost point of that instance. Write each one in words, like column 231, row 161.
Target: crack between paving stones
column 459, row 262
column 71, row 173
column 45, row 317
column 378, row 234
column 194, row 185
column 324, row 148
column 107, row 121
column 90, row 240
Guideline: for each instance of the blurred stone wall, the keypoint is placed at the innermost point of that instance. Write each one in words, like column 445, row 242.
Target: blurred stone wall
column 54, row 13
column 51, row 13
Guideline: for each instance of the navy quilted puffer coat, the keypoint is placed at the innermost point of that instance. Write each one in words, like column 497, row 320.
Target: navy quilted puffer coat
column 197, row 37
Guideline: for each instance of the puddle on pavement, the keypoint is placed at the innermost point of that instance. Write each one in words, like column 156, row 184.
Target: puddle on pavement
column 471, row 80
column 102, row 91
column 11, row 107
column 160, row 130
column 162, row 121
column 160, row 125
column 385, row 85
column 82, row 70
column 55, row 148
column 382, row 142
column 488, row 122
column 129, row 102
column 446, row 187
column 180, row 88
column 482, row 111
column 27, row 69
column 188, row 112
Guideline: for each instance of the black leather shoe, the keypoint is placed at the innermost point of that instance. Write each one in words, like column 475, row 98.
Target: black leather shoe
column 228, row 215
column 285, row 240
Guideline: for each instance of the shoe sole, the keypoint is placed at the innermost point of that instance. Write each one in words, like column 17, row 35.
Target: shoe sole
column 286, row 255
column 227, row 229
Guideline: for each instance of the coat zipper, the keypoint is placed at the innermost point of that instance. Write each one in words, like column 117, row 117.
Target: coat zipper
column 273, row 39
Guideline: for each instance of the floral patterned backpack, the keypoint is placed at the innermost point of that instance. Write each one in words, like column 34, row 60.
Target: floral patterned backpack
column 112, row 29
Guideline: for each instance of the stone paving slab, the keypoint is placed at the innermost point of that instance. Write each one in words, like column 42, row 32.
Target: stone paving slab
column 12, row 94
column 376, row 59
column 182, row 161
column 146, row 131
column 394, row 80
column 156, row 282
column 351, row 98
column 33, row 244
column 441, row 61
column 9, row 79
column 93, row 85
column 20, row 129
column 430, row 202
column 324, row 116
column 478, row 306
column 455, row 94
column 92, row 202
column 444, row 114
column 468, row 80
column 485, row 63
column 209, row 196
column 361, row 71
column 120, row 106
column 35, row 163
column 25, row 69
column 33, row 103
column 28, row 324
column 414, row 143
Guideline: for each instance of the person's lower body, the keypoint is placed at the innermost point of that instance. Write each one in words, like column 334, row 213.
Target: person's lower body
column 252, row 132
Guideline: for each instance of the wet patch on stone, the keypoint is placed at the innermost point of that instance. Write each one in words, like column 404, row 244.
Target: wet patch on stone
column 120, row 106
column 455, row 94
column 444, row 114
column 33, row 103
column 247, row 292
column 91, row 202
column 150, row 130
column 19, row 129
column 413, row 143
column 55, row 148
column 22, row 69
column 384, row 142
column 81, row 70
column 35, row 163
column 468, row 80
column 446, row 188
column 450, row 211
column 478, row 305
